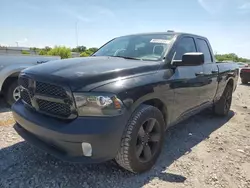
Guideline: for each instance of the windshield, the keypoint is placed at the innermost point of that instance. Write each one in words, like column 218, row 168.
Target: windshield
column 143, row 47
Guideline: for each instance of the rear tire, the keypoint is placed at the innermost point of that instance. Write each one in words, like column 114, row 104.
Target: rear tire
column 142, row 140
column 222, row 107
column 243, row 81
column 12, row 93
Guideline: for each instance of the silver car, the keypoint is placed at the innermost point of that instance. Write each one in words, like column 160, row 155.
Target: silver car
column 10, row 67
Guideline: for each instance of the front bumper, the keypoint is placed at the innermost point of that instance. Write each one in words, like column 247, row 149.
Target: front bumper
column 64, row 139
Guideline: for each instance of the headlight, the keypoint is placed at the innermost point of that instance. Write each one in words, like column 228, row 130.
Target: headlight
column 98, row 104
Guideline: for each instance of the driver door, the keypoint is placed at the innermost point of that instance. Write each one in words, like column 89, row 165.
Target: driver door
column 187, row 83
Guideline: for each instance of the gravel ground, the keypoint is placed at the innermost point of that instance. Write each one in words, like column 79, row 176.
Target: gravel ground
column 5, row 115
column 204, row 151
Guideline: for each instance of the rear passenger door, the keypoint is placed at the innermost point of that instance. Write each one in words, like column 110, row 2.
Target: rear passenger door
column 210, row 71
column 187, row 83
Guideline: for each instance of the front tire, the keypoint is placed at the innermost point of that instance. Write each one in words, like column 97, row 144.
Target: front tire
column 222, row 107
column 12, row 93
column 142, row 140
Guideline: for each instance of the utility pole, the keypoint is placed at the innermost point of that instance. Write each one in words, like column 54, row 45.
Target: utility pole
column 76, row 30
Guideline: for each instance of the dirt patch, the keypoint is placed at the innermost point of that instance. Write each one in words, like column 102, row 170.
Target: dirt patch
column 6, row 119
column 5, row 114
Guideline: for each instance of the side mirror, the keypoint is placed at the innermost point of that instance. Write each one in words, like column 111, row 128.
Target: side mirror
column 190, row 59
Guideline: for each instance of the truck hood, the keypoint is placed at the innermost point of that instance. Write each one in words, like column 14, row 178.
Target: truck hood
column 83, row 74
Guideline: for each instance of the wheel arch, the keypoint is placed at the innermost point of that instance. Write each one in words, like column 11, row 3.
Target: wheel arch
column 160, row 105
column 231, row 82
column 12, row 77
column 153, row 101
column 10, row 72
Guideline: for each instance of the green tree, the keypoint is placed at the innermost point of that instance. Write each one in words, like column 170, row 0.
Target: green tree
column 230, row 57
column 43, row 52
column 86, row 53
column 25, row 52
column 93, row 49
column 47, row 48
column 34, row 49
column 79, row 49
column 61, row 51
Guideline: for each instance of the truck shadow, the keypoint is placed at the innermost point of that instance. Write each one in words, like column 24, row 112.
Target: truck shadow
column 22, row 164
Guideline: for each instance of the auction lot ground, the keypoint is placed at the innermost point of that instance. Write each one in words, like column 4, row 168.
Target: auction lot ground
column 204, row 151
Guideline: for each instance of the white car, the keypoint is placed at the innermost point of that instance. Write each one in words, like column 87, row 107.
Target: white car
column 10, row 67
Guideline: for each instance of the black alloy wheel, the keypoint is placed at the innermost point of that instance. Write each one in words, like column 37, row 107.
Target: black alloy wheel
column 228, row 100
column 142, row 139
column 222, row 106
column 148, row 140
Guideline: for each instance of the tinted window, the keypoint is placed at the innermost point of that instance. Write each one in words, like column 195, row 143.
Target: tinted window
column 143, row 47
column 184, row 45
column 203, row 47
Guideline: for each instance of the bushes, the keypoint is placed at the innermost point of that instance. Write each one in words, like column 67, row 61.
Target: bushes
column 62, row 51
column 79, row 49
column 65, row 52
column 230, row 57
column 25, row 52
column 86, row 53
column 43, row 52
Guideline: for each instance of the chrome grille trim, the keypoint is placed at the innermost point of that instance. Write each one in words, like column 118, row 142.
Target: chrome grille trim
column 24, row 82
column 25, row 97
column 56, row 101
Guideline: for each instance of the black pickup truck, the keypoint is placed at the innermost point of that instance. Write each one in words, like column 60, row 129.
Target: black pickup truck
column 118, row 103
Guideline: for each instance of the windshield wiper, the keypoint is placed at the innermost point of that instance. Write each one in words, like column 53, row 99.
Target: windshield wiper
column 125, row 57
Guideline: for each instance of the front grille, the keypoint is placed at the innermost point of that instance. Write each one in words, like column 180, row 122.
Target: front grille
column 24, row 82
column 25, row 97
column 54, row 108
column 49, row 99
column 51, row 90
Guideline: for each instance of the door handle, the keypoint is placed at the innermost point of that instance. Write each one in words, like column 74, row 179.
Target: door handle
column 214, row 71
column 199, row 73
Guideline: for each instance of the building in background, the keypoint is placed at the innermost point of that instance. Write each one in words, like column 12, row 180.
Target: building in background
column 17, row 50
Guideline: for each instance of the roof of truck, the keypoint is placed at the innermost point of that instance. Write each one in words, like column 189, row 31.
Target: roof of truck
column 166, row 33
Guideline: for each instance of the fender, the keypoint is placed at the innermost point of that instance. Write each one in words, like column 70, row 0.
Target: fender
column 232, row 76
column 227, row 73
column 233, row 81
column 10, row 70
column 137, row 90
column 147, row 99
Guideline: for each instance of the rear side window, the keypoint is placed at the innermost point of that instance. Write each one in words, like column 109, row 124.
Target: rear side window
column 185, row 45
column 203, row 47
